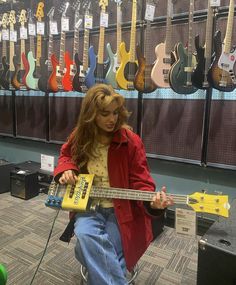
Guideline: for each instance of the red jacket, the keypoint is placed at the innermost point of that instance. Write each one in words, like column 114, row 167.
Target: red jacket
column 127, row 168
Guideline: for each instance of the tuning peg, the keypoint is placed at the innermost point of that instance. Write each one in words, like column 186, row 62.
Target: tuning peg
column 204, row 191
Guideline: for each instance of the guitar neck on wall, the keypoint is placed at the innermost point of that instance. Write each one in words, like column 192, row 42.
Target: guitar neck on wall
column 128, row 67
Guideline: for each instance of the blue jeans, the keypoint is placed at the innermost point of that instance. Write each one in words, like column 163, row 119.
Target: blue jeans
column 99, row 247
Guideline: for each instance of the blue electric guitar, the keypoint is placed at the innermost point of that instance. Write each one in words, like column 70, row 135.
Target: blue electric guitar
column 114, row 58
column 97, row 71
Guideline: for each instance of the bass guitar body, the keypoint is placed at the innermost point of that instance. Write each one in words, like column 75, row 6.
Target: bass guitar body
column 127, row 70
column 4, row 74
column 178, row 76
column 31, row 81
column 161, row 68
column 67, row 78
column 52, row 81
column 198, row 75
column 15, row 79
column 78, row 82
column 113, row 67
column 142, row 79
column 26, row 69
column 43, row 80
column 219, row 78
column 90, row 78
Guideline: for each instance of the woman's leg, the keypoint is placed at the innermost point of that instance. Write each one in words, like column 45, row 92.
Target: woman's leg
column 99, row 247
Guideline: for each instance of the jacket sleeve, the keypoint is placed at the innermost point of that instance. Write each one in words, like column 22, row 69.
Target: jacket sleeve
column 65, row 162
column 140, row 177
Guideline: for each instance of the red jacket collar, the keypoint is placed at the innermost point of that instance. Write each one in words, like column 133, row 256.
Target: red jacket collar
column 120, row 136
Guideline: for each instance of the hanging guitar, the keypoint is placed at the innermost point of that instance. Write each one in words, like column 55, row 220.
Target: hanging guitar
column 55, row 81
column 77, row 197
column 204, row 54
column 114, row 59
column 142, row 79
column 97, row 73
column 83, row 67
column 13, row 39
column 19, row 67
column 5, row 66
column 161, row 68
column 183, row 62
column 69, row 63
column 45, row 65
column 221, row 74
column 128, row 67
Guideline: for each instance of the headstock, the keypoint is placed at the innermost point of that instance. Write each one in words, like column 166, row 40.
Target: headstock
column 12, row 18
column 76, row 5
column 22, row 17
column 64, row 9
column 103, row 4
column 118, row 2
column 4, row 20
column 208, row 203
column 51, row 13
column 40, row 13
column 29, row 16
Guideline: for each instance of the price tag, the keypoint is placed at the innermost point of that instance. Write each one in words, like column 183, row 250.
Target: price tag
column 149, row 13
column 47, row 162
column 65, row 24
column 5, row 35
column 23, row 33
column 53, row 28
column 215, row 3
column 88, row 22
column 32, row 29
column 104, row 20
column 185, row 222
column 40, row 28
column 13, row 36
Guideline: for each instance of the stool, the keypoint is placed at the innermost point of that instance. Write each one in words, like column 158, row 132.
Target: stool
column 133, row 273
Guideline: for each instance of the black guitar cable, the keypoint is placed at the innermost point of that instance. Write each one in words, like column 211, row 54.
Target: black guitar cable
column 46, row 246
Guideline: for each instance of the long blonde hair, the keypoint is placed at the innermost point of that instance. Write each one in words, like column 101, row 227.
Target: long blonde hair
column 82, row 139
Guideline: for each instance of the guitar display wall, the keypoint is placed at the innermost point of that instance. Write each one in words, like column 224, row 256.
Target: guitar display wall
column 171, row 124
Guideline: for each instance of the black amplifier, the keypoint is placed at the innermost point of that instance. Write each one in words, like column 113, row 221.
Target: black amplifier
column 217, row 252
column 24, row 180
column 5, row 169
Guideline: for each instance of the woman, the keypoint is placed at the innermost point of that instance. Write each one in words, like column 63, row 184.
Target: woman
column 113, row 238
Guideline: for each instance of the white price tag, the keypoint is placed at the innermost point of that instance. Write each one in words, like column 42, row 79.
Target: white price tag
column 13, row 36
column 149, row 13
column 65, row 24
column 185, row 222
column 40, row 28
column 5, row 35
column 104, row 20
column 23, row 33
column 32, row 29
column 47, row 162
column 215, row 3
column 53, row 28
column 88, row 22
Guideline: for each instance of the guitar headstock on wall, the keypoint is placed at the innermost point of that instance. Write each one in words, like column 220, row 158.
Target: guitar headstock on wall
column 118, row 2
column 4, row 20
column 50, row 14
column 63, row 9
column 22, row 17
column 40, row 13
column 12, row 19
column 103, row 4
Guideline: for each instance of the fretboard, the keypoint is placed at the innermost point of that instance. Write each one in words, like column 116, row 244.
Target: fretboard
column 85, row 50
column 32, row 47
column 22, row 50
column 50, row 51
column 147, row 50
column 11, row 54
column 62, row 50
column 229, row 29
column 101, row 41
column 39, row 50
column 133, row 31
column 118, row 38
column 209, row 30
column 121, row 193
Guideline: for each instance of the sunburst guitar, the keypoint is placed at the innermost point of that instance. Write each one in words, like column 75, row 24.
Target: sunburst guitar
column 77, row 197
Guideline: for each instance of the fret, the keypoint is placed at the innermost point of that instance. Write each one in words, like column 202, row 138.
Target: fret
column 101, row 45
column 229, row 30
column 11, row 55
column 147, row 50
column 209, row 30
column 50, row 51
column 4, row 49
column 118, row 38
column 62, row 50
column 133, row 31
column 168, row 35
column 32, row 46
column 85, row 50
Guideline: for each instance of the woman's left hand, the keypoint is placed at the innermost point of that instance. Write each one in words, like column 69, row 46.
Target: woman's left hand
column 161, row 200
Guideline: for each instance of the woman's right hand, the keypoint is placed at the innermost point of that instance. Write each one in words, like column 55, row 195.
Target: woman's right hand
column 68, row 177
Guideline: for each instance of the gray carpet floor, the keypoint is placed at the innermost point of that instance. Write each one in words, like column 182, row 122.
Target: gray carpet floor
column 25, row 225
